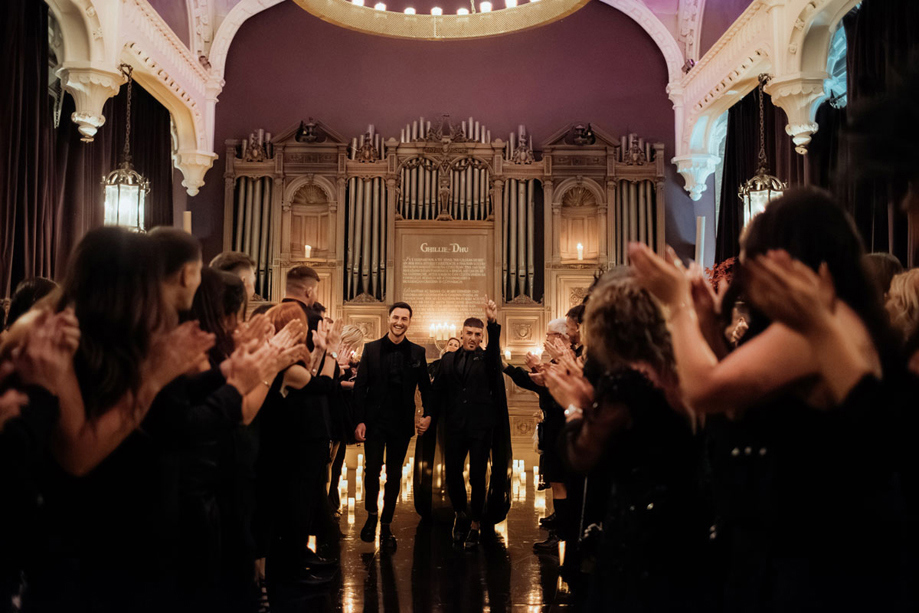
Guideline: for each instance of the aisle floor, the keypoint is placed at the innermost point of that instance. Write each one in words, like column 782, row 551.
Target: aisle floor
column 426, row 573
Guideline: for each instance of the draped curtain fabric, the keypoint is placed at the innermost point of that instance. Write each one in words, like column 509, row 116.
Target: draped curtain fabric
column 882, row 37
column 50, row 181
column 79, row 166
column 741, row 160
column 26, row 220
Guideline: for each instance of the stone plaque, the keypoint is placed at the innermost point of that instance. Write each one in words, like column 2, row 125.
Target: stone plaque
column 444, row 273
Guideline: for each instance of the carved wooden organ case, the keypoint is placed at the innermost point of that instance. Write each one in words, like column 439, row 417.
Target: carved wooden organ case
column 346, row 200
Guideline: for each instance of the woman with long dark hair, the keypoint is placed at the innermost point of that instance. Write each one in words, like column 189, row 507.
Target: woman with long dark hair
column 793, row 472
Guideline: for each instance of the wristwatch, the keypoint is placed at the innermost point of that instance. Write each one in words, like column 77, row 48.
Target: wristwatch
column 334, row 355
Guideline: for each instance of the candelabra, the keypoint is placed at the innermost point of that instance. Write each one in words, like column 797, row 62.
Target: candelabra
column 441, row 333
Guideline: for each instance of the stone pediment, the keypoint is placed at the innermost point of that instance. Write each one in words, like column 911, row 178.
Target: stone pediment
column 566, row 137
column 316, row 133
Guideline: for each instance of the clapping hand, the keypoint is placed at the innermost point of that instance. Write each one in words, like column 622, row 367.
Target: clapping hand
column 246, row 368
column 46, row 353
column 176, row 352
column 567, row 384
column 533, row 361
column 257, row 328
column 789, row 291
column 558, row 349
column 666, row 279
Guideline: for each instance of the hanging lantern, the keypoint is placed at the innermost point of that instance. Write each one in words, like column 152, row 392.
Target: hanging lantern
column 125, row 188
column 757, row 192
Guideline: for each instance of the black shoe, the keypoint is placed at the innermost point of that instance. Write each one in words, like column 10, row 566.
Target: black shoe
column 311, row 579
column 472, row 539
column 459, row 528
column 548, row 546
column 387, row 540
column 313, row 561
column 546, row 522
column 369, row 531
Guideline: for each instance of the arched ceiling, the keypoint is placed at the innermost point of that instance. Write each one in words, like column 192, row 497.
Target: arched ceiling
column 682, row 19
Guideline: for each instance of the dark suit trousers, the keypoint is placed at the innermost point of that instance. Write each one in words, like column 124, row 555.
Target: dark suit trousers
column 395, row 446
column 457, row 445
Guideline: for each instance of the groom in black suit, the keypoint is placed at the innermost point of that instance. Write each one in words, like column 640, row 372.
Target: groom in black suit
column 469, row 390
column 384, row 404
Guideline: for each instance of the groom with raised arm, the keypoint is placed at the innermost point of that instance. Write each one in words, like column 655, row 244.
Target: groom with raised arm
column 384, row 405
column 471, row 393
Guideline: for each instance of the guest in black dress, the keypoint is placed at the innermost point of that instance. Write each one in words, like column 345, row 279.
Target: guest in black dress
column 294, row 456
column 564, row 527
column 626, row 418
column 794, row 470
column 352, row 343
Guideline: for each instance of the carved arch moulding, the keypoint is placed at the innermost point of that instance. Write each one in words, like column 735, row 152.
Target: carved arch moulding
column 788, row 39
column 99, row 35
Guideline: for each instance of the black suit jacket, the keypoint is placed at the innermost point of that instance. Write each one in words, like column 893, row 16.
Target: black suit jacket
column 471, row 402
column 371, row 387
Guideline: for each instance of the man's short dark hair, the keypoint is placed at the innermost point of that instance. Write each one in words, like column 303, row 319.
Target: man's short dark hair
column 576, row 313
column 232, row 261
column 401, row 305
column 299, row 275
column 318, row 307
column 473, row 322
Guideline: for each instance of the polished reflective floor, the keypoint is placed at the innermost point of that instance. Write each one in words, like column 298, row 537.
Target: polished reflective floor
column 426, row 573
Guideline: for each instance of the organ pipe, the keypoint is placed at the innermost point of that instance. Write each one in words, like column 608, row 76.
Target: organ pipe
column 531, row 238
column 349, row 282
column 521, row 235
column 375, row 239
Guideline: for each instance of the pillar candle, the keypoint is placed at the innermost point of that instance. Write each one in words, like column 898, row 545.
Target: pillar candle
column 186, row 221
column 307, row 251
column 453, row 331
column 580, row 251
column 507, row 354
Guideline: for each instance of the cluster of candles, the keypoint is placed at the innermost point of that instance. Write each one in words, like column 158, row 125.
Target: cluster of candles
column 349, row 502
column 484, row 7
column 442, row 331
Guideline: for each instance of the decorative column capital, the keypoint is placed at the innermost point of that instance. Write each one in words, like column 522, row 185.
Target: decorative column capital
column 696, row 169
column 799, row 95
column 194, row 164
column 90, row 88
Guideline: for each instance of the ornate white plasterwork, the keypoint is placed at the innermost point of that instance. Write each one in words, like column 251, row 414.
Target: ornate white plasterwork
column 789, row 39
column 200, row 27
column 166, row 68
column 690, row 26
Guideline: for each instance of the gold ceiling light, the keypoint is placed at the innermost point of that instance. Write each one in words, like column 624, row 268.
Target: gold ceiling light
column 478, row 24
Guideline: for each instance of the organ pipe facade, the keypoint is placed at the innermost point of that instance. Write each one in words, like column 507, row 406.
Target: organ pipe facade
column 559, row 211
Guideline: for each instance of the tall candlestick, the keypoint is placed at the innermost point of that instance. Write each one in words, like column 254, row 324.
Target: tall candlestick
column 307, row 251
column 186, row 221
column 580, row 251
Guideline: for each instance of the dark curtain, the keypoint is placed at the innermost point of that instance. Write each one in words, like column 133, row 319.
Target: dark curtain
column 50, row 181
column 741, row 160
column 826, row 152
column 26, row 221
column 81, row 166
column 881, row 37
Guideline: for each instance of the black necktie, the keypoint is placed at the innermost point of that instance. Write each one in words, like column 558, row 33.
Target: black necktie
column 462, row 363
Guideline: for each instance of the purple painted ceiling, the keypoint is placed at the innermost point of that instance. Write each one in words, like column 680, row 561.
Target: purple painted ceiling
column 718, row 17
column 175, row 14
column 596, row 65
